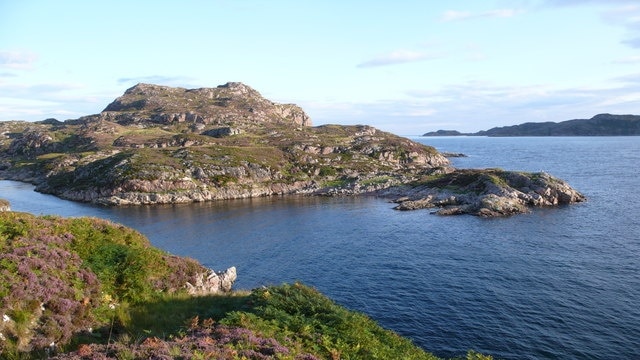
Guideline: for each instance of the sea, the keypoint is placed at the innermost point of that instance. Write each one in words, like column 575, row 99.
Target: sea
column 558, row 283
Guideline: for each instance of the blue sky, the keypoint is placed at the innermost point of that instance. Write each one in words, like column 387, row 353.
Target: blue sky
column 403, row 66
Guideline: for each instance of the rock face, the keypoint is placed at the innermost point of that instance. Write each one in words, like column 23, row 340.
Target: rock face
column 486, row 193
column 213, row 282
column 231, row 102
column 4, row 205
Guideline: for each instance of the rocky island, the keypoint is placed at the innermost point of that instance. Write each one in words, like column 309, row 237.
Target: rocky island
column 158, row 144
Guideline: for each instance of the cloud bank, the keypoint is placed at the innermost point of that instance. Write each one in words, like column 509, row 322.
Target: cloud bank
column 397, row 57
column 453, row 15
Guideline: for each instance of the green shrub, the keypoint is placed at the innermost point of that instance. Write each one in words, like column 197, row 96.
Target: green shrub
column 320, row 326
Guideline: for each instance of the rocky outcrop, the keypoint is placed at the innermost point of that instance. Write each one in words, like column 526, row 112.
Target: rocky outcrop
column 231, row 103
column 222, row 132
column 212, row 283
column 486, row 193
column 32, row 142
column 4, row 205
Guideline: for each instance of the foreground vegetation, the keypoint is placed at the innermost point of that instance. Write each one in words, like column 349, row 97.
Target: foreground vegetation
column 86, row 288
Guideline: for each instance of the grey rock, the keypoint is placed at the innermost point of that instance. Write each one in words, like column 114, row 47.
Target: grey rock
column 485, row 193
column 212, row 282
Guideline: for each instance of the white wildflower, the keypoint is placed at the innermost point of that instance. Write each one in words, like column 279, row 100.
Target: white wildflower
column 112, row 306
column 42, row 306
column 6, row 318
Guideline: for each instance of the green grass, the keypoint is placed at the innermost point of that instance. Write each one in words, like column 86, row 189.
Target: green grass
column 167, row 315
column 320, row 326
column 297, row 316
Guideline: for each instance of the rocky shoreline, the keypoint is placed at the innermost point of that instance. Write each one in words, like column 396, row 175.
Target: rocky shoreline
column 485, row 193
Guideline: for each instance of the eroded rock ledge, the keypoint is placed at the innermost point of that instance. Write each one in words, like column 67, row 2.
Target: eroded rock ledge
column 484, row 192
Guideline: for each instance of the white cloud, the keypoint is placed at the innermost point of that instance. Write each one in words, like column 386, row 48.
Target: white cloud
column 453, row 15
column 628, row 60
column 398, row 57
column 40, row 101
column 474, row 106
column 634, row 43
column 622, row 13
column 621, row 99
column 587, row 2
column 20, row 60
column 158, row 80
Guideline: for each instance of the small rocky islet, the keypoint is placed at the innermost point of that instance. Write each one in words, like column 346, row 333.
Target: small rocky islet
column 159, row 144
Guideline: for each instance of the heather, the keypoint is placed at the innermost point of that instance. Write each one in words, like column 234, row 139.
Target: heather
column 61, row 277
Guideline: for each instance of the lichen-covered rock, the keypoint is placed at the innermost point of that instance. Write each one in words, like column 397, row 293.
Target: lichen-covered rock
column 486, row 193
column 232, row 102
column 213, row 282
column 4, row 205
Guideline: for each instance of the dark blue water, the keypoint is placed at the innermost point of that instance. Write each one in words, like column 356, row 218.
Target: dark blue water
column 559, row 283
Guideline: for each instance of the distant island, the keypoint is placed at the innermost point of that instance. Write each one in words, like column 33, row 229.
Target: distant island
column 599, row 125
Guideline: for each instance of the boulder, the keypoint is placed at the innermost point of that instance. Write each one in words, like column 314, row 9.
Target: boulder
column 4, row 205
column 212, row 282
column 222, row 132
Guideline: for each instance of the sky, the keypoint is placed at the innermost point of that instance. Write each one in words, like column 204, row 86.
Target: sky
column 404, row 66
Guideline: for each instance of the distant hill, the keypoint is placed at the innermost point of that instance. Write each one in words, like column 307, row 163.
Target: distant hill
column 599, row 125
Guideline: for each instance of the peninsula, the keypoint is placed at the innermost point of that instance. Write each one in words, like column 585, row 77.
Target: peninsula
column 158, row 144
column 599, row 125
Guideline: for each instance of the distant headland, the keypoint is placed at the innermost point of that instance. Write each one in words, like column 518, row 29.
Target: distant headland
column 599, row 125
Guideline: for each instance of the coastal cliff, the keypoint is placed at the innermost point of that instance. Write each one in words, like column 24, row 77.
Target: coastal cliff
column 158, row 145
